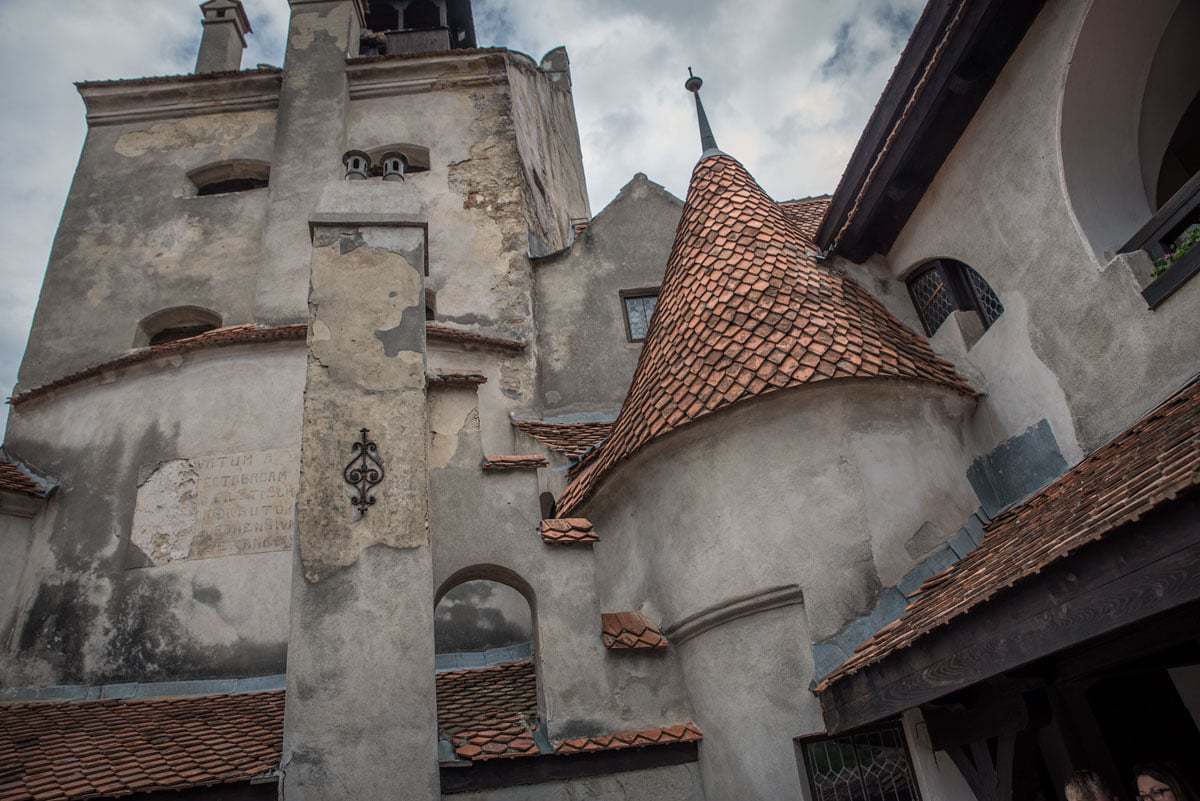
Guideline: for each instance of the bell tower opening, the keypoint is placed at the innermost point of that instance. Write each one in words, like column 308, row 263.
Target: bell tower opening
column 397, row 27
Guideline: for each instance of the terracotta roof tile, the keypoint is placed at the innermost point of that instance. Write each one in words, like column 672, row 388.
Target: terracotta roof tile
column 1152, row 462
column 439, row 332
column 630, row 631
column 489, row 713
column 81, row 749
column 568, row 531
column 806, row 214
column 14, row 479
column 683, row 733
column 745, row 310
column 221, row 337
column 570, row 439
column 523, row 461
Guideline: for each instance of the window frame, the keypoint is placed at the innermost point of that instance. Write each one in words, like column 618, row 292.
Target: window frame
column 634, row 294
column 895, row 724
column 964, row 296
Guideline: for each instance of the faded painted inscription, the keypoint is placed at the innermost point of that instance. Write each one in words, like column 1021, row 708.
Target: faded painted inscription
column 217, row 505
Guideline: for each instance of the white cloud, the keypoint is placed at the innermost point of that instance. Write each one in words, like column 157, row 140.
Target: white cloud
column 789, row 85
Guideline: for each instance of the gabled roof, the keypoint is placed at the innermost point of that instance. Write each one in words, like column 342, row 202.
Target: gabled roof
column 1154, row 461
column 745, row 310
column 111, row 748
column 807, row 214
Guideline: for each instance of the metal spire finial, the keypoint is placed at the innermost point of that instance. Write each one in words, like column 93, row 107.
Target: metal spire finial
column 707, row 140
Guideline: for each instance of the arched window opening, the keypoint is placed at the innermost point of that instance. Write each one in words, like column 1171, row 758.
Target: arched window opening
column 945, row 286
column 1128, row 126
column 225, row 177
column 394, row 166
column 487, row 694
column 422, row 15
column 170, row 325
column 382, row 16
column 430, row 305
column 1182, row 159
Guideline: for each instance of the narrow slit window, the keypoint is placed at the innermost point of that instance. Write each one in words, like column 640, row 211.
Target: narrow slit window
column 639, row 309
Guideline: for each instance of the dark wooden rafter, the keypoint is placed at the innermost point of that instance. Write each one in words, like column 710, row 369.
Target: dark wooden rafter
column 987, row 765
column 905, row 143
column 1146, row 568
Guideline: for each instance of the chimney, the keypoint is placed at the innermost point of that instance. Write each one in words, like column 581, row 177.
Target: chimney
column 224, row 39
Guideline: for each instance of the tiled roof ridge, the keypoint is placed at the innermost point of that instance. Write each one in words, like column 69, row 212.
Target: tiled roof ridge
column 518, row 461
column 1155, row 460
column 639, row 738
column 242, row 334
column 217, row 338
column 570, row 439
column 440, row 332
column 187, row 77
column 745, row 310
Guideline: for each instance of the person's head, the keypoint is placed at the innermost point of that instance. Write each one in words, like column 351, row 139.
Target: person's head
column 1162, row 781
column 1087, row 786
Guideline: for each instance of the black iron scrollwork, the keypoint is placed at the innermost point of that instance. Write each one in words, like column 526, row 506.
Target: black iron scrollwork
column 364, row 472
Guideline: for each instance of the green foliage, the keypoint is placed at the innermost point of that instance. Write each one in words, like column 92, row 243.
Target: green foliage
column 1183, row 245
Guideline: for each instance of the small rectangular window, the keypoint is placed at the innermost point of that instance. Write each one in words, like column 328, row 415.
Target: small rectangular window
column 639, row 308
column 868, row 765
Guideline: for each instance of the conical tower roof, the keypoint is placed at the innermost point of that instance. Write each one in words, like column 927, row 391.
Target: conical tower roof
column 744, row 310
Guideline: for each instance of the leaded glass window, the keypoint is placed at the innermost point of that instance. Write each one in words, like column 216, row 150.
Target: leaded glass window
column 639, row 308
column 943, row 287
column 870, row 765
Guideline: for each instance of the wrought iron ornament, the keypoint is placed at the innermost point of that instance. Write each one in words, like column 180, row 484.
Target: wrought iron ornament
column 364, row 472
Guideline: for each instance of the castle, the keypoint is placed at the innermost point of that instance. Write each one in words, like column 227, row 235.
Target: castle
column 888, row 493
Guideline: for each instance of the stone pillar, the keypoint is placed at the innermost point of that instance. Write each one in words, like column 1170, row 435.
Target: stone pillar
column 310, row 141
column 360, row 721
column 224, row 37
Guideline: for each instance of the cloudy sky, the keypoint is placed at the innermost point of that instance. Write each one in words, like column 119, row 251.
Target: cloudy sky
column 788, row 87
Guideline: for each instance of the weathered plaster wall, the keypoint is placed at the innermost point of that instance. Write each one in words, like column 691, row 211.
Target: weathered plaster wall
column 362, row 582
column 484, row 525
column 1076, row 345
column 695, row 521
column 674, row 783
column 16, row 537
column 586, row 360
column 135, row 239
column 543, row 112
column 89, row 606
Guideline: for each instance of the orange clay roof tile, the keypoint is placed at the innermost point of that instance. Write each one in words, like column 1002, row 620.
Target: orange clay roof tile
column 713, row 329
column 81, row 749
column 568, row 531
column 630, row 631
column 570, row 439
column 683, row 733
column 489, row 713
column 1155, row 460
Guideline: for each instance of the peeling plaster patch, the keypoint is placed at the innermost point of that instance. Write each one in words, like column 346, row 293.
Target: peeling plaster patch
column 406, row 336
column 217, row 505
column 226, row 130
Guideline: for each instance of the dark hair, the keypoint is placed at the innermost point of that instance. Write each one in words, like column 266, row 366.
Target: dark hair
column 1169, row 774
column 1086, row 785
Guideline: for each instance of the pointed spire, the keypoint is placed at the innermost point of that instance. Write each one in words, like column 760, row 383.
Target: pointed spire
column 708, row 142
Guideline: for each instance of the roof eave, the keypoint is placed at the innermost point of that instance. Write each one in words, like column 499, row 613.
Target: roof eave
column 952, row 58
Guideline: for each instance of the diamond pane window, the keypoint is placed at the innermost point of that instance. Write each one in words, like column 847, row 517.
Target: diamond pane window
column 945, row 286
column 639, row 308
column 870, row 765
